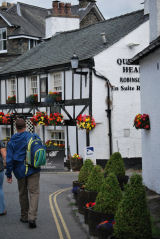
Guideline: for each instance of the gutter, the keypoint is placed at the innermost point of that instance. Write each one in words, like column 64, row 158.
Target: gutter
column 108, row 110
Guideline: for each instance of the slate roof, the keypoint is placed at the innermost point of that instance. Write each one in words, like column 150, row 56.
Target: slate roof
column 30, row 23
column 85, row 42
column 148, row 50
column 32, row 19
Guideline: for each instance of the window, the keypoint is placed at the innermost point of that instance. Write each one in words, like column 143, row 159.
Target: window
column 32, row 43
column 34, row 85
column 58, row 137
column 57, row 82
column 3, row 39
column 12, row 87
column 43, row 86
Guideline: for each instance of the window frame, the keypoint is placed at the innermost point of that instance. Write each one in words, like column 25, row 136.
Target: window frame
column 3, row 39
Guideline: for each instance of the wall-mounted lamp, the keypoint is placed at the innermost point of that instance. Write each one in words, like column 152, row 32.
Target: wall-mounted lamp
column 74, row 65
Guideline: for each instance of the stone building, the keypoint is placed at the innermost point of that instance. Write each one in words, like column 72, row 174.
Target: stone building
column 23, row 26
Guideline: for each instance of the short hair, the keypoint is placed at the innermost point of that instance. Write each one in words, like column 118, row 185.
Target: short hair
column 20, row 123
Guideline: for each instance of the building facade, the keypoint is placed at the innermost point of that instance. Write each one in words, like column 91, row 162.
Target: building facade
column 105, row 86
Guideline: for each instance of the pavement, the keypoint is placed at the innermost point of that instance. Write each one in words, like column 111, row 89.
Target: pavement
column 58, row 215
column 50, row 183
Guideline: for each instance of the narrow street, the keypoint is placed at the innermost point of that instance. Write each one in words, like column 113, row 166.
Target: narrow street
column 12, row 228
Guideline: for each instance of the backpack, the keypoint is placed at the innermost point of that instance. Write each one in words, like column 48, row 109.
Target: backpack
column 36, row 152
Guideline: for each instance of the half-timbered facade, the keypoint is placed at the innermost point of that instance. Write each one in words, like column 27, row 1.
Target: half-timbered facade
column 103, row 85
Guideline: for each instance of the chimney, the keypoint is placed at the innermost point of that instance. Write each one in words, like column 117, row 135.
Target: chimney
column 154, row 19
column 55, row 7
column 103, row 35
column 68, row 9
column 61, row 9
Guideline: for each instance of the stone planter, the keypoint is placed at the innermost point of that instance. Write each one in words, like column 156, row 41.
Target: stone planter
column 94, row 218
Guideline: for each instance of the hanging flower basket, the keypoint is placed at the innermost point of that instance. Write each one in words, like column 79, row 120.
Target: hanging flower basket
column 32, row 99
column 86, row 122
column 51, row 144
column 1, row 117
column 6, row 119
column 141, row 121
column 40, row 118
column 11, row 99
column 55, row 119
column 53, row 97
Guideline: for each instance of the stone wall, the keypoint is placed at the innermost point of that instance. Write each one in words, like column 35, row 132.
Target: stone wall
column 91, row 18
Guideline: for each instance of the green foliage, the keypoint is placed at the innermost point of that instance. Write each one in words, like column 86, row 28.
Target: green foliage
column 109, row 196
column 85, row 171
column 95, row 179
column 115, row 165
column 132, row 217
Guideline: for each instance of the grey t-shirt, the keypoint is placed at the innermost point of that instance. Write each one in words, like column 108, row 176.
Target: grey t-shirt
column 1, row 159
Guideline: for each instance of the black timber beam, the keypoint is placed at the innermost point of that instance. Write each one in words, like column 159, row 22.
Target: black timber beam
column 43, row 104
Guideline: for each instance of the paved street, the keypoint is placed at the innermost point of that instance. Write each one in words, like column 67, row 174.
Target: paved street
column 12, row 228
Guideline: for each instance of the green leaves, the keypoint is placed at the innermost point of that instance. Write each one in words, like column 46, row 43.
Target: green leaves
column 115, row 165
column 132, row 217
column 85, row 171
column 109, row 196
column 95, row 178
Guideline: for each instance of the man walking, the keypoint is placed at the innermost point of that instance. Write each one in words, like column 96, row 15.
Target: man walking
column 28, row 181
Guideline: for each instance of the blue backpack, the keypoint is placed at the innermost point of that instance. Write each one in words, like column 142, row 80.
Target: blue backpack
column 36, row 152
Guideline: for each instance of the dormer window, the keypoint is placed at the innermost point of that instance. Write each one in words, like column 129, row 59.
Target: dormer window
column 3, row 39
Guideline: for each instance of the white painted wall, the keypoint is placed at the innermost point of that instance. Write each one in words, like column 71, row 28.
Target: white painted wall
column 60, row 24
column 150, row 91
column 126, row 104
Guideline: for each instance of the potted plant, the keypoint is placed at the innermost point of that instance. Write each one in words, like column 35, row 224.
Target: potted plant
column 142, row 121
column 106, row 203
column 132, row 216
column 32, row 99
column 55, row 119
column 11, row 99
column 116, row 165
column 92, row 187
column 82, row 177
column 76, row 162
column 86, row 122
column 40, row 118
column 53, row 97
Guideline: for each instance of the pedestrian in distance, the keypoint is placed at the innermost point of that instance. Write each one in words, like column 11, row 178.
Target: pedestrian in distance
column 28, row 181
column 2, row 166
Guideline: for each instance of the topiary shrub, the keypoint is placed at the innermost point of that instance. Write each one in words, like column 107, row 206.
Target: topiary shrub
column 85, row 171
column 95, row 179
column 115, row 165
column 109, row 196
column 132, row 216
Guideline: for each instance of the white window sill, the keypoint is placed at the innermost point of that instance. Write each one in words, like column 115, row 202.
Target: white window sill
column 3, row 51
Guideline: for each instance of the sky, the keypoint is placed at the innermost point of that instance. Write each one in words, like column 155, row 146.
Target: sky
column 109, row 8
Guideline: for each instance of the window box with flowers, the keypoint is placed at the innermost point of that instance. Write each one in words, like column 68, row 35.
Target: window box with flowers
column 40, row 118
column 55, row 119
column 53, row 97
column 52, row 145
column 86, row 122
column 142, row 121
column 32, row 99
column 76, row 162
column 11, row 99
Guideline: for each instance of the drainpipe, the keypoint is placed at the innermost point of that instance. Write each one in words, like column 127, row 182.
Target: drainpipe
column 108, row 110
